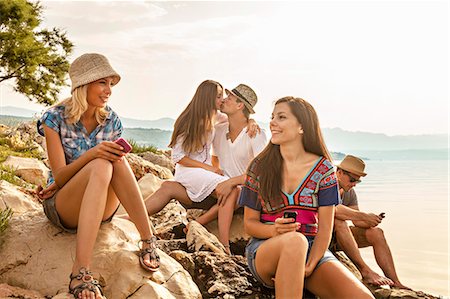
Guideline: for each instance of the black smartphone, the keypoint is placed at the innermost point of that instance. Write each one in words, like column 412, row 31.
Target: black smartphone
column 290, row 214
column 382, row 215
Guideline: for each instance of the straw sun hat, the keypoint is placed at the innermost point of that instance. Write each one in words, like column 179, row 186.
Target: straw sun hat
column 89, row 68
column 353, row 164
column 246, row 95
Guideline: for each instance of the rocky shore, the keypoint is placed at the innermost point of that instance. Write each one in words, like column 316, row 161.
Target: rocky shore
column 36, row 257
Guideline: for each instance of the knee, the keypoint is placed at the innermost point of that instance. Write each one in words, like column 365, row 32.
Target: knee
column 375, row 234
column 293, row 244
column 167, row 188
column 100, row 169
column 340, row 225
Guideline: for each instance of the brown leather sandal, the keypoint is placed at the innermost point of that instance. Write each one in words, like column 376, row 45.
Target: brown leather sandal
column 88, row 282
column 151, row 251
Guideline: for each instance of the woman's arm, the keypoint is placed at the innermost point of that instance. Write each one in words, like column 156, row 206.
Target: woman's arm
column 255, row 228
column 322, row 240
column 188, row 162
column 62, row 172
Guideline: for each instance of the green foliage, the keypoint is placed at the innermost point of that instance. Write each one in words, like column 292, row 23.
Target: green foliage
column 7, row 173
column 5, row 215
column 7, row 150
column 142, row 148
column 34, row 57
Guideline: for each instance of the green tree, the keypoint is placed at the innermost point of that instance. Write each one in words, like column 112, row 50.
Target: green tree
column 33, row 57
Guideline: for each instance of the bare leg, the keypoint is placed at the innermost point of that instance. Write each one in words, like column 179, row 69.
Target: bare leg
column 348, row 244
column 161, row 197
column 333, row 280
column 225, row 218
column 383, row 255
column 283, row 257
column 81, row 203
column 127, row 190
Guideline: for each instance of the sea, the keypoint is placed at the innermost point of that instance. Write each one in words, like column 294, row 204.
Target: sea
column 414, row 194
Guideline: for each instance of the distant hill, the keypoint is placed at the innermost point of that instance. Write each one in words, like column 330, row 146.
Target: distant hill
column 158, row 132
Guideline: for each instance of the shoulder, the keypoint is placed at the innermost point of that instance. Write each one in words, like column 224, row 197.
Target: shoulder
column 221, row 127
column 253, row 167
column 111, row 113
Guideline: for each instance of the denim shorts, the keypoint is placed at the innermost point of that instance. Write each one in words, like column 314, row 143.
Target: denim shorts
column 52, row 214
column 254, row 243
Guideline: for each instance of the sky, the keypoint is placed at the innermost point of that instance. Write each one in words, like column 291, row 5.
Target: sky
column 371, row 66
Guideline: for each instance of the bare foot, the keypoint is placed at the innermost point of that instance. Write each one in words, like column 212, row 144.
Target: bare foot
column 375, row 279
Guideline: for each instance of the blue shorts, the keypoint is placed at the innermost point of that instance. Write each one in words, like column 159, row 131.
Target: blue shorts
column 254, row 243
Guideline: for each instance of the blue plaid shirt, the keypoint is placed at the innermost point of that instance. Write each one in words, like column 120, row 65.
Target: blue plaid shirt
column 74, row 137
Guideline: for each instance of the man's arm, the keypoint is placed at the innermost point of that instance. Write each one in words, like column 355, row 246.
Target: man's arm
column 359, row 218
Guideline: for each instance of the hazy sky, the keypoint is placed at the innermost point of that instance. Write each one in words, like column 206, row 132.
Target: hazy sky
column 375, row 66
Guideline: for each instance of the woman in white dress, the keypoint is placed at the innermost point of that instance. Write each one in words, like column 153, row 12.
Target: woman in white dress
column 195, row 176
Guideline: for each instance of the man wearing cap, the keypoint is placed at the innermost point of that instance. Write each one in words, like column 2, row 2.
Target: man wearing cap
column 233, row 149
column 365, row 232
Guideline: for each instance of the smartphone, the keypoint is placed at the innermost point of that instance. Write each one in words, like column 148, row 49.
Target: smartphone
column 123, row 143
column 382, row 215
column 290, row 214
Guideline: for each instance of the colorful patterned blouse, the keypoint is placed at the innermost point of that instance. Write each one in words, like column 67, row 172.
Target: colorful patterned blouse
column 74, row 137
column 318, row 188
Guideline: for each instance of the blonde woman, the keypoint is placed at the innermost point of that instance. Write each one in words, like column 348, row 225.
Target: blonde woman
column 90, row 174
column 289, row 198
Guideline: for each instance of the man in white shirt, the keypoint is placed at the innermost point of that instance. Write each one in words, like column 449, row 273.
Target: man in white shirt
column 233, row 149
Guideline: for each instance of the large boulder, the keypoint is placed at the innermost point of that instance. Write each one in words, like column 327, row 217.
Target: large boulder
column 30, row 169
column 159, row 159
column 141, row 167
column 12, row 196
column 148, row 184
column 37, row 255
column 7, row 291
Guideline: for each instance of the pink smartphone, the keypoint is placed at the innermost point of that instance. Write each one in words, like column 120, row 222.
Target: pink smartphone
column 123, row 143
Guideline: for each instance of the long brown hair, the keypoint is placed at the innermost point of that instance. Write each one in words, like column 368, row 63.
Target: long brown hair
column 195, row 122
column 270, row 159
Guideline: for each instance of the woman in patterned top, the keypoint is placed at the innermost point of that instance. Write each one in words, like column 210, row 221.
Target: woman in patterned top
column 90, row 174
column 294, row 174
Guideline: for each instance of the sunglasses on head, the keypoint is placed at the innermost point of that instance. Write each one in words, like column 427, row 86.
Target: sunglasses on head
column 352, row 179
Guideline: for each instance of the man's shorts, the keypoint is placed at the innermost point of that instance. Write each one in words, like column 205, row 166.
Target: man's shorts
column 359, row 234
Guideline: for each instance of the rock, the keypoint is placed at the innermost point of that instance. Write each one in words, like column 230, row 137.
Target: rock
column 238, row 237
column 30, row 169
column 141, row 167
column 199, row 239
column 159, row 159
column 7, row 291
column 172, row 216
column 11, row 196
column 172, row 245
column 185, row 259
column 148, row 184
column 37, row 255
column 221, row 276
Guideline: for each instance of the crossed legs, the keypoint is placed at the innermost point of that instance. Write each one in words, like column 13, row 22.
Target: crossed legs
column 91, row 196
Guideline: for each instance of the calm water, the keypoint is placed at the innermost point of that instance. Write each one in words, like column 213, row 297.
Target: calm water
column 414, row 196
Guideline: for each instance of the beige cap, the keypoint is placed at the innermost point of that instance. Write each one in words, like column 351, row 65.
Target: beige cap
column 90, row 67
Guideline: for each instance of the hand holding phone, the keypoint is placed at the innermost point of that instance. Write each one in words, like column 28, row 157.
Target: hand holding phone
column 290, row 214
column 124, row 144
